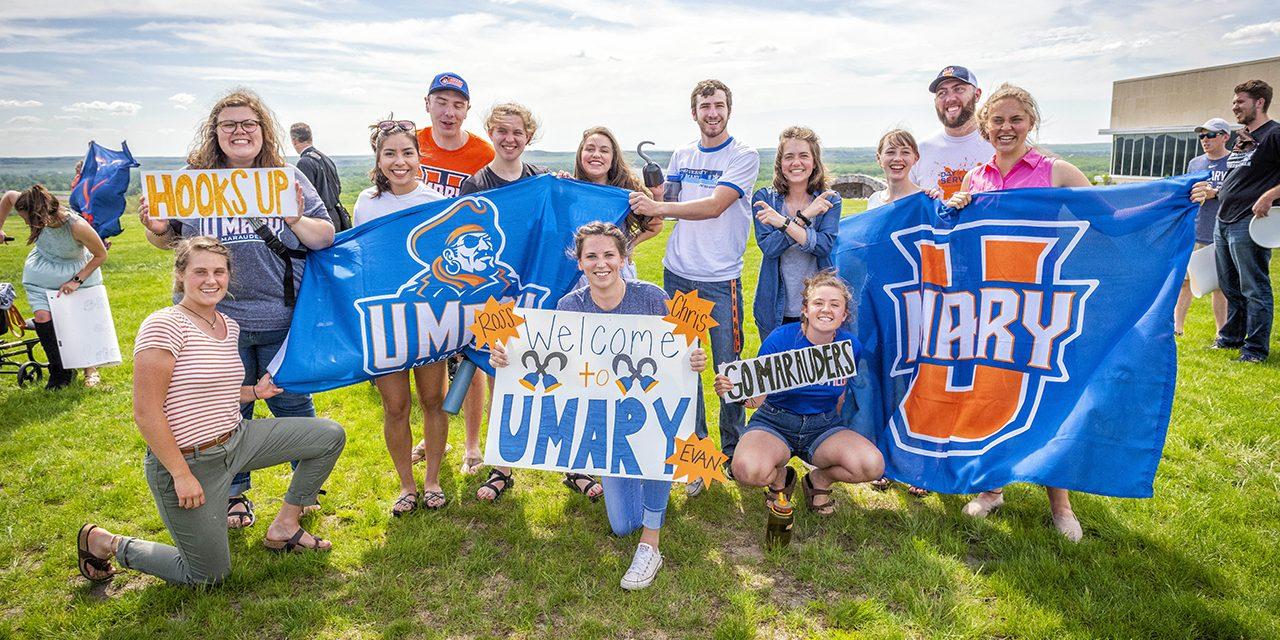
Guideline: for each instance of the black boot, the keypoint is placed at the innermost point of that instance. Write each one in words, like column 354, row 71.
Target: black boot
column 58, row 377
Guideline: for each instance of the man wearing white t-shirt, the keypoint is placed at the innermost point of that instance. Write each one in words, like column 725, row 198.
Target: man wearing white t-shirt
column 707, row 191
column 948, row 155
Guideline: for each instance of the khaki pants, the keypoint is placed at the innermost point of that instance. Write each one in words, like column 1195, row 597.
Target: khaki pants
column 202, row 554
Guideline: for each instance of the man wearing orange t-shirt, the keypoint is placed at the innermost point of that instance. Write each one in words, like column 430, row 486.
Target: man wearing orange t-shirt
column 450, row 154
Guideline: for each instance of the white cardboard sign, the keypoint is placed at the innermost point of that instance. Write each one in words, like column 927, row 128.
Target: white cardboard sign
column 85, row 328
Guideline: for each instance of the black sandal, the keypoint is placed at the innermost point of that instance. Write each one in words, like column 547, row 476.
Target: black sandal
column 247, row 514
column 410, row 499
column 294, row 544
column 917, row 491
column 810, row 491
column 428, row 496
column 882, row 484
column 571, row 480
column 495, row 477
column 87, row 560
column 788, row 489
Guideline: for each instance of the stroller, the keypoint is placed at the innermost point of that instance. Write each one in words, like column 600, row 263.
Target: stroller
column 17, row 358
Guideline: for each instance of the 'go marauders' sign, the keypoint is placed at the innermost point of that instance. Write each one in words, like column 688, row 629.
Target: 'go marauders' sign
column 789, row 370
column 220, row 193
column 596, row 393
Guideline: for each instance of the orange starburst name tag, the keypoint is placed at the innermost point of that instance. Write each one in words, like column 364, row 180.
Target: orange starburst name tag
column 697, row 458
column 495, row 323
column 690, row 314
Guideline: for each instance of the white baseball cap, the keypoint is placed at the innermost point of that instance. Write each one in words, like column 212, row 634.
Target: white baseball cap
column 1214, row 124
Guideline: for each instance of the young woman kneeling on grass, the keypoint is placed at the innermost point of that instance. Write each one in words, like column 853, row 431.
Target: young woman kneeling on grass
column 602, row 251
column 805, row 422
column 187, row 393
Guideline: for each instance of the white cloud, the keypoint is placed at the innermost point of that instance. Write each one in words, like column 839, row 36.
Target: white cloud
column 181, row 100
column 21, row 103
column 115, row 106
column 1254, row 33
column 23, row 120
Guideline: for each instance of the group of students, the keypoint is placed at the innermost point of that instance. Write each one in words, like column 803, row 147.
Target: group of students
column 235, row 281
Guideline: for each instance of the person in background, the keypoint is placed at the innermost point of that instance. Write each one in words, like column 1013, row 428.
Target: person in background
column 66, row 257
column 897, row 155
column 601, row 250
column 187, row 389
column 1213, row 135
column 797, row 245
column 1250, row 189
column 706, row 192
column 91, row 376
column 806, row 422
column 449, row 154
column 396, row 187
column 1006, row 120
column 322, row 172
column 240, row 132
column 948, row 155
column 599, row 161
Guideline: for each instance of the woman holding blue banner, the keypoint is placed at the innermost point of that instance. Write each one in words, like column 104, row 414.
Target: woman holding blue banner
column 602, row 251
column 240, row 132
column 1005, row 120
column 805, row 422
column 600, row 161
column 396, row 187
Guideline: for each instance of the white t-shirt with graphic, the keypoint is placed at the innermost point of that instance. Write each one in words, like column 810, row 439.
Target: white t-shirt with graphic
column 370, row 208
column 944, row 160
column 711, row 250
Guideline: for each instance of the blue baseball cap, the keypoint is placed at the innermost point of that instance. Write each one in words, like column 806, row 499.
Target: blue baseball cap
column 959, row 73
column 449, row 81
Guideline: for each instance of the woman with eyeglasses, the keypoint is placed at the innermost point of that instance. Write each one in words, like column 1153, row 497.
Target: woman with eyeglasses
column 396, row 187
column 240, row 132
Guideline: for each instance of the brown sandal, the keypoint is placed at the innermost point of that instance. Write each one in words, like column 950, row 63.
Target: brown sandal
column 810, row 491
column 294, row 544
column 87, row 560
column 771, row 495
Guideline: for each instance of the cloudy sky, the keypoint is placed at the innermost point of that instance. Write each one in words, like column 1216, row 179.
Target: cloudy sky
column 147, row 70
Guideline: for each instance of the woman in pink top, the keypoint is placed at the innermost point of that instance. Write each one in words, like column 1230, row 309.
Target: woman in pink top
column 187, row 392
column 1005, row 120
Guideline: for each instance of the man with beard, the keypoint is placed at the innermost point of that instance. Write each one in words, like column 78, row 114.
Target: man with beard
column 1250, row 189
column 948, row 155
column 708, row 189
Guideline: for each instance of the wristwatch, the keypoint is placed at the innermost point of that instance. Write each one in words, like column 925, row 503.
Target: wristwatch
column 784, row 224
column 76, row 279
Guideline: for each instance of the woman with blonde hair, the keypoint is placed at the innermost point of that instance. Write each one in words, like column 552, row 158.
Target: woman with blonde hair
column 796, row 223
column 240, row 132
column 1006, row 120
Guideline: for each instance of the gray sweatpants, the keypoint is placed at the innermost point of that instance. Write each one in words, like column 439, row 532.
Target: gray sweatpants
column 202, row 554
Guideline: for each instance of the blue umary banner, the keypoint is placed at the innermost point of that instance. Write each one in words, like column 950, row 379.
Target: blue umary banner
column 1026, row 337
column 98, row 194
column 402, row 291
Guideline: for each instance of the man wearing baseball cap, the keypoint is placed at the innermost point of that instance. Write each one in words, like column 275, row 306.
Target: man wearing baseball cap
column 1213, row 134
column 948, row 155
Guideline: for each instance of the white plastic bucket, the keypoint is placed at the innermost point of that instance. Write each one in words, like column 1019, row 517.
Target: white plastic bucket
column 1203, row 270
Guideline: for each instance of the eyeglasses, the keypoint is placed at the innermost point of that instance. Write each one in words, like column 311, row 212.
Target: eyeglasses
column 1211, row 134
column 390, row 126
column 230, row 126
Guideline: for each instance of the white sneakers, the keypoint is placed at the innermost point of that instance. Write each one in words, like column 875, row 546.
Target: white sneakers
column 644, row 568
column 694, row 488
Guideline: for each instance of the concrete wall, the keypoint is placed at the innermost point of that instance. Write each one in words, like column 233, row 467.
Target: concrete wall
column 1186, row 98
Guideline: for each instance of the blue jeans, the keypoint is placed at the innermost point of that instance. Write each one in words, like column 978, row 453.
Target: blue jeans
column 257, row 348
column 726, row 345
column 803, row 434
column 1245, row 282
column 633, row 503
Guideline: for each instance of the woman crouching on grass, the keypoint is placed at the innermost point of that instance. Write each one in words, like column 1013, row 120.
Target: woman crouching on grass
column 602, row 251
column 805, row 422
column 395, row 188
column 1006, row 119
column 187, row 393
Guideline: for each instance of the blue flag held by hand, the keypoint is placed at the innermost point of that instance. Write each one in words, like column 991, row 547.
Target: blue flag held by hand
column 98, row 194
column 402, row 291
column 1026, row 337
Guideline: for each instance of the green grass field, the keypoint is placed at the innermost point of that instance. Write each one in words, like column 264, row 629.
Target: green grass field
column 1197, row 561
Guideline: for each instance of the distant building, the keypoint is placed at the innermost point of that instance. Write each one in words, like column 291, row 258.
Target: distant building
column 1153, row 119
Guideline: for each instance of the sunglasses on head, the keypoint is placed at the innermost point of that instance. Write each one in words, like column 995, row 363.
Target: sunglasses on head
column 1211, row 134
column 388, row 126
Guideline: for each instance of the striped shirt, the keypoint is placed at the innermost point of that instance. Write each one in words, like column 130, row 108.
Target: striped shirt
column 203, row 401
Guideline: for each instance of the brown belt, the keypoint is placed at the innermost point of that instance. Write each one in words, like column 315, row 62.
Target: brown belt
column 186, row 451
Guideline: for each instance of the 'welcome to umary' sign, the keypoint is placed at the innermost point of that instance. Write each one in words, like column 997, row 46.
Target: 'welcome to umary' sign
column 789, row 370
column 596, row 393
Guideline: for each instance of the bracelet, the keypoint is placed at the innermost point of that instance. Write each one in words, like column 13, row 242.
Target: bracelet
column 255, row 393
column 785, row 224
column 807, row 222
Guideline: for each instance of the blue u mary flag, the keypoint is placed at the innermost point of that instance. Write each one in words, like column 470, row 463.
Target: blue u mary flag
column 98, row 194
column 1026, row 337
column 402, row 291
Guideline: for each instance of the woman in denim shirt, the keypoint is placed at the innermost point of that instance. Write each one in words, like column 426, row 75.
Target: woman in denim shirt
column 798, row 245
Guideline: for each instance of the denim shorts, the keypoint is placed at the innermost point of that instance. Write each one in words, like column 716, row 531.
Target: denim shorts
column 802, row 434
